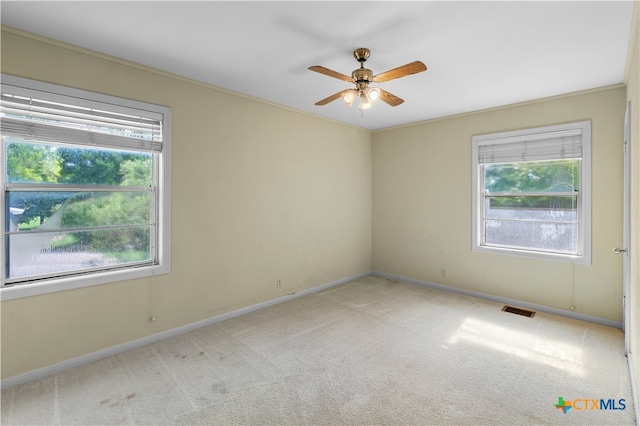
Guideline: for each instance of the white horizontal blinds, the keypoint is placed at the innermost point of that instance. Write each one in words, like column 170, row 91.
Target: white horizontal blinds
column 69, row 123
column 546, row 146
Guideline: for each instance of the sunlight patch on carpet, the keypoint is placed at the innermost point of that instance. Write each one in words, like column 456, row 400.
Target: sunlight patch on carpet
column 543, row 350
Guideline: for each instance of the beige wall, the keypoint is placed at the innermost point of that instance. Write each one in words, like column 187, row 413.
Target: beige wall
column 633, row 94
column 260, row 194
column 422, row 206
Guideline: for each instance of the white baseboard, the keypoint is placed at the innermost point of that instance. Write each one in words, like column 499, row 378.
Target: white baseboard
column 519, row 303
column 114, row 350
column 634, row 388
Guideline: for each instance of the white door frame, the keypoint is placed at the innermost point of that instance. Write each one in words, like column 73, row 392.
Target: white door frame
column 626, row 231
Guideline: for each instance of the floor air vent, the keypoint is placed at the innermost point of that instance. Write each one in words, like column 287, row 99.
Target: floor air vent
column 518, row 311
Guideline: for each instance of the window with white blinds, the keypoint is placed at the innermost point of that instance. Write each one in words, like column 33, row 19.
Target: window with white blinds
column 61, row 121
column 86, row 188
column 531, row 192
column 537, row 147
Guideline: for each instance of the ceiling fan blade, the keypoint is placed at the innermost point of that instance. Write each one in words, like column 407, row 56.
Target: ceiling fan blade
column 331, row 73
column 412, row 68
column 390, row 98
column 332, row 97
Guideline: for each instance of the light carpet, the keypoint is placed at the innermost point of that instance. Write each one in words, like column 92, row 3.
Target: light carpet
column 372, row 351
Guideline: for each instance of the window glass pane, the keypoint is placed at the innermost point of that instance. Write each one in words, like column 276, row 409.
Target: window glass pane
column 543, row 236
column 52, row 210
column 33, row 162
column 551, row 209
column 532, row 222
column 535, row 176
column 51, row 252
column 29, row 210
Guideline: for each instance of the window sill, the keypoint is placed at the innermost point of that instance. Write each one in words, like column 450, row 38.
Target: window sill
column 18, row 291
column 538, row 255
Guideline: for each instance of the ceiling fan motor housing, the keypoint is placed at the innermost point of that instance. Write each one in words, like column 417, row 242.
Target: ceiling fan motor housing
column 362, row 75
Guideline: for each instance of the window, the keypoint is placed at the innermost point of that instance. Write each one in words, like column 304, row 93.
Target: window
column 85, row 185
column 531, row 193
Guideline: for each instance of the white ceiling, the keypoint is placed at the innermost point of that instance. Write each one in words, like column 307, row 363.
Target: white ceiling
column 479, row 54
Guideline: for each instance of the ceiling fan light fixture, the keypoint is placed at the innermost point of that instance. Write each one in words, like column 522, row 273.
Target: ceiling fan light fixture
column 372, row 94
column 365, row 103
column 349, row 97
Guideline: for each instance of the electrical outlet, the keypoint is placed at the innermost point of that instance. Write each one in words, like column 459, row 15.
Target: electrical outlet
column 443, row 273
column 279, row 284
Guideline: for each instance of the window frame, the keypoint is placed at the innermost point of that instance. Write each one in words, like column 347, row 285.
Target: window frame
column 162, row 159
column 584, row 193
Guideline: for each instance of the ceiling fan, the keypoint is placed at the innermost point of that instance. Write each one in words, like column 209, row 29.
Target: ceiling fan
column 362, row 77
